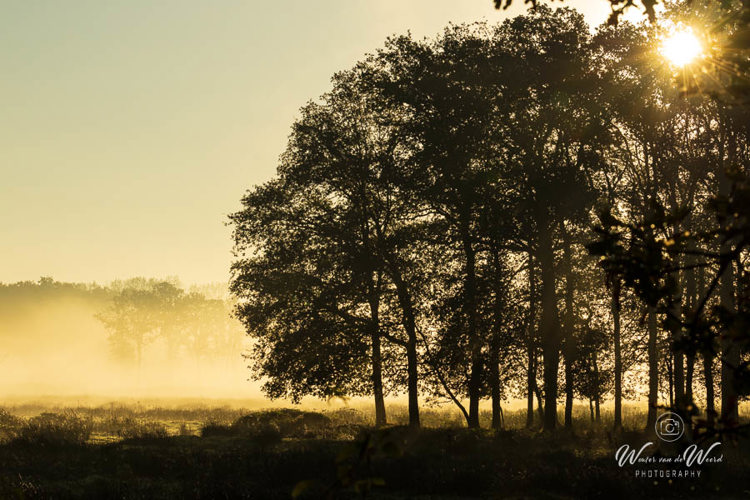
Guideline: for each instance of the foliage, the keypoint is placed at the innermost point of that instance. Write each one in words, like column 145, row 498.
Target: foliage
column 9, row 425
column 385, row 252
column 286, row 423
column 142, row 311
column 129, row 428
column 55, row 429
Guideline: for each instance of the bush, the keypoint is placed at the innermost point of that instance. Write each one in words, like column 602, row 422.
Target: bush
column 132, row 428
column 273, row 425
column 211, row 429
column 10, row 425
column 135, row 429
column 56, row 429
column 287, row 423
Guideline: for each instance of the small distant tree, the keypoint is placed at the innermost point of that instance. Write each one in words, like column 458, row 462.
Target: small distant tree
column 594, row 378
column 131, row 321
column 138, row 314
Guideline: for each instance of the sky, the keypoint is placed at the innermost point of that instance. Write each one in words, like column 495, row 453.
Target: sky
column 130, row 130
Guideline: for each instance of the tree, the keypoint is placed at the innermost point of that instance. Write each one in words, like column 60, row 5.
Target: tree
column 350, row 233
column 554, row 137
column 426, row 227
column 135, row 317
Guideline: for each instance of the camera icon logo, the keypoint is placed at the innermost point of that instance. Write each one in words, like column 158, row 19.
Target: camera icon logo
column 669, row 427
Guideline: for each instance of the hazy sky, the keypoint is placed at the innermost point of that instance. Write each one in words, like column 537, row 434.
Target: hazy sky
column 129, row 130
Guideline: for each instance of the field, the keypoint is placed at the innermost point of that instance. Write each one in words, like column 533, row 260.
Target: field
column 138, row 451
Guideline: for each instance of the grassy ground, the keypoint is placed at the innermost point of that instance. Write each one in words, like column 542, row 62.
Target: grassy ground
column 139, row 452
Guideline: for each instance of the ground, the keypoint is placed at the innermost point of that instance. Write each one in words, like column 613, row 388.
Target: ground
column 124, row 452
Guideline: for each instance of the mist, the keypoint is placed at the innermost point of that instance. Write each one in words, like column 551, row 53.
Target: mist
column 55, row 342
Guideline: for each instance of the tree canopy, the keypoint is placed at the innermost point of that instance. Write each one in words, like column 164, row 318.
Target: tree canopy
column 429, row 229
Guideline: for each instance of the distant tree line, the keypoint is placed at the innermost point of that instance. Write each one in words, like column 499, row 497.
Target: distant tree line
column 189, row 323
column 429, row 229
column 195, row 324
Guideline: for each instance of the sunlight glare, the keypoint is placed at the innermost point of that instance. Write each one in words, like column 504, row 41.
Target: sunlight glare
column 681, row 47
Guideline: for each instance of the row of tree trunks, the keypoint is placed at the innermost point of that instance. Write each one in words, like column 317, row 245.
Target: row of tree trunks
column 682, row 368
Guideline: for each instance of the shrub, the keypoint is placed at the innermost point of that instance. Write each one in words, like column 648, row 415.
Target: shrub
column 10, row 425
column 210, row 429
column 56, row 429
column 137, row 429
column 130, row 427
column 287, row 423
column 351, row 416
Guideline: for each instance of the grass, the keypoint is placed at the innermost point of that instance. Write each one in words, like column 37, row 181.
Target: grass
column 118, row 451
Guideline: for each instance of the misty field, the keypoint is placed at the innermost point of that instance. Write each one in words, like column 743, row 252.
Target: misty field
column 136, row 451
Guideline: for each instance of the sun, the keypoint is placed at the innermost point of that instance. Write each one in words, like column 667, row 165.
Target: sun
column 681, row 47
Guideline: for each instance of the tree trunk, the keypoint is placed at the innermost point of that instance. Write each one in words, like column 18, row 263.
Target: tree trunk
column 678, row 367
column 568, row 342
column 653, row 371
column 412, row 376
column 497, row 420
column 377, row 359
column 689, row 375
column 597, row 389
column 531, row 346
column 409, row 324
column 539, row 404
column 670, row 378
column 530, row 385
column 550, row 323
column 679, row 379
column 708, row 375
column 475, row 345
column 692, row 296
column 708, row 357
column 730, row 353
column 618, row 353
column 377, row 382
column 598, row 413
column 495, row 387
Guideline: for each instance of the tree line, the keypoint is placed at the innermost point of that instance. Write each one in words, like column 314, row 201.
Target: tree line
column 196, row 324
column 465, row 218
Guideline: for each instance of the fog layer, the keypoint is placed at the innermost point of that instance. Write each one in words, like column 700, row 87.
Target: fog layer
column 60, row 339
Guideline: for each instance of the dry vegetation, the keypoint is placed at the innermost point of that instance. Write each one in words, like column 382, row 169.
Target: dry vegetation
column 132, row 451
